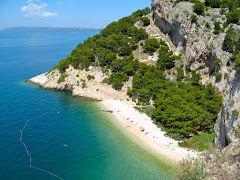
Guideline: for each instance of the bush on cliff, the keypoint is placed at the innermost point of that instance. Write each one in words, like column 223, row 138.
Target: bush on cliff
column 198, row 7
column 146, row 21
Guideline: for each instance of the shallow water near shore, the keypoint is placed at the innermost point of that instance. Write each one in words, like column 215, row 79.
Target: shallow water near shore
column 76, row 140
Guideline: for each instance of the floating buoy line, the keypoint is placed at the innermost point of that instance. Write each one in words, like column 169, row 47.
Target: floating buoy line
column 25, row 146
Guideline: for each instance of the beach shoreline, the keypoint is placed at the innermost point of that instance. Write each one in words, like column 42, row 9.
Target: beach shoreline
column 150, row 137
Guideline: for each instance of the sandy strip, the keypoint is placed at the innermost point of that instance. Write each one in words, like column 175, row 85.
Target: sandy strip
column 152, row 138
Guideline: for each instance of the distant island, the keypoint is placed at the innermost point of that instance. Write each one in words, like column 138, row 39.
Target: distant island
column 46, row 29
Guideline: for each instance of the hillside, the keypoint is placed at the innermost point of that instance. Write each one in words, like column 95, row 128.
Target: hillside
column 179, row 60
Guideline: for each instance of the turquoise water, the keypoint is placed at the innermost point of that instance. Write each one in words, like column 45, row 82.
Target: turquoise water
column 94, row 144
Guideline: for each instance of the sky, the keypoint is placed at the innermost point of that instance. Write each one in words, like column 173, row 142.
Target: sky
column 66, row 13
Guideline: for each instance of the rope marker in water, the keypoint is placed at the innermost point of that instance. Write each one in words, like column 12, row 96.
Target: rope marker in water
column 30, row 157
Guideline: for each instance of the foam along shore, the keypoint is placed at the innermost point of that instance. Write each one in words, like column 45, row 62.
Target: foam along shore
column 152, row 138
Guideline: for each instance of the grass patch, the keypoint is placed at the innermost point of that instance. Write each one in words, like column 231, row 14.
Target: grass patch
column 200, row 142
column 146, row 110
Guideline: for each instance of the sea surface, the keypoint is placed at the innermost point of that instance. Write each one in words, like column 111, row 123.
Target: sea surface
column 65, row 136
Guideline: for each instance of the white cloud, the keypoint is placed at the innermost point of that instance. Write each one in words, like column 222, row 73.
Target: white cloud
column 29, row 1
column 37, row 10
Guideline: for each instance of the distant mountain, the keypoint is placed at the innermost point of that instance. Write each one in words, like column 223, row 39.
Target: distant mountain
column 46, row 29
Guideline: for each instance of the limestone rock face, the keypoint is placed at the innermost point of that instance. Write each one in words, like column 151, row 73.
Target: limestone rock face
column 198, row 44
column 227, row 121
column 75, row 78
column 200, row 47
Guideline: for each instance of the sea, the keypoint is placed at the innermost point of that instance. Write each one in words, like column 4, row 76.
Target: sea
column 50, row 134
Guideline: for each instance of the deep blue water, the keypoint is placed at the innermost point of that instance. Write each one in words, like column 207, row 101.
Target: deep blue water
column 94, row 144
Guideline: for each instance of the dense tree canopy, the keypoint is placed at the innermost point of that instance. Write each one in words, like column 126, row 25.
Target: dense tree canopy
column 117, row 38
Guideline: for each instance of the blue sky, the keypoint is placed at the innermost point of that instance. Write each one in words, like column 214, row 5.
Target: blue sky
column 66, row 13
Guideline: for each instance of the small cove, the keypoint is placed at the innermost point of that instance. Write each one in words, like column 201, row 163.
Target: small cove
column 94, row 144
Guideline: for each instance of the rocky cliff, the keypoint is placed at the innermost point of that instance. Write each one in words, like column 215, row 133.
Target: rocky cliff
column 198, row 44
column 228, row 120
column 200, row 47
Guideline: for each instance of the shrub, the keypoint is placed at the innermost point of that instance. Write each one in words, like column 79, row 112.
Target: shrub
column 83, row 85
column 225, row 75
column 237, row 131
column 125, row 51
column 189, row 170
column 225, row 25
column 218, row 76
column 223, row 11
column 198, row 7
column 89, row 77
column 217, row 27
column 180, row 74
column 233, row 16
column 237, row 61
column 235, row 112
column 63, row 65
column 77, row 75
column 230, row 40
column 106, row 80
column 117, row 79
column 62, row 78
column 151, row 45
column 216, row 31
column 217, row 62
column 146, row 21
column 194, row 18
column 207, row 25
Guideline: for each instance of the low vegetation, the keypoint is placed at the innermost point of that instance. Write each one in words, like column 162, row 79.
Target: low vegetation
column 190, row 170
column 90, row 77
column 218, row 76
column 62, row 78
column 200, row 142
column 231, row 44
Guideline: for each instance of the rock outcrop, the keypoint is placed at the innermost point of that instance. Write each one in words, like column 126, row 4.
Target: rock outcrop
column 76, row 81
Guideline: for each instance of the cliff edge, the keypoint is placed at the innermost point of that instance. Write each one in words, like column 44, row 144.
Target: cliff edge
column 200, row 47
